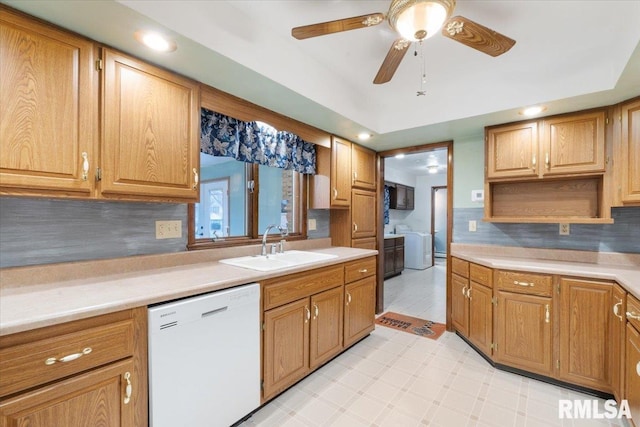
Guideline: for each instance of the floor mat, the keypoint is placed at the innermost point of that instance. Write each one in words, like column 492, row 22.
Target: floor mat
column 412, row 325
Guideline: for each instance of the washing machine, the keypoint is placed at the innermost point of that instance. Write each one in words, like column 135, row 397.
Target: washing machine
column 417, row 248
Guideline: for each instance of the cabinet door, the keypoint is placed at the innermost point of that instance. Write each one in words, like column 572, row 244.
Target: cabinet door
column 512, row 151
column 151, row 144
column 586, row 346
column 630, row 147
column 400, row 197
column 363, row 165
column 285, row 346
column 48, row 125
column 523, row 332
column 632, row 368
column 96, row 398
column 618, row 341
column 573, row 144
column 326, row 326
column 399, row 256
column 340, row 173
column 359, row 312
column 480, row 317
column 410, row 195
column 460, row 304
column 389, row 261
column 363, row 214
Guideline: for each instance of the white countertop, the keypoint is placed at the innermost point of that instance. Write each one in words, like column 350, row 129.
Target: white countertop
column 44, row 303
column 628, row 276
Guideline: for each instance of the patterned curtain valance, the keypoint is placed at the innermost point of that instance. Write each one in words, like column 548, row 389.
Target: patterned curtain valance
column 254, row 142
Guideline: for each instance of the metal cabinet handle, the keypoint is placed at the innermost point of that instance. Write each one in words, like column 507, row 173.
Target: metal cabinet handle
column 525, row 284
column 85, row 165
column 616, row 310
column 633, row 315
column 469, row 293
column 362, row 270
column 355, row 177
column 638, row 368
column 128, row 389
column 308, row 314
column 335, row 193
column 355, row 227
column 68, row 358
column 348, row 298
column 546, row 314
column 315, row 306
column 546, row 160
column 196, row 178
column 533, row 162
column 464, row 291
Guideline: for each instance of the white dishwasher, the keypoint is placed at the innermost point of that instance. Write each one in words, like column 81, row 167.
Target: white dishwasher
column 204, row 359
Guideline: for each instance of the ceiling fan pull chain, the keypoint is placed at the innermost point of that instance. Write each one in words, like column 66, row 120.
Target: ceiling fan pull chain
column 423, row 71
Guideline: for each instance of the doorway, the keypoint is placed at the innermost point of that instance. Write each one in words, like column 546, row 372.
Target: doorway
column 439, row 197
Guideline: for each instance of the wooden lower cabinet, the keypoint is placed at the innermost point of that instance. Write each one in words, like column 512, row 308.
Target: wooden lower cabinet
column 359, row 311
column 286, row 346
column 632, row 369
column 481, row 317
column 524, row 332
column 460, row 304
column 587, row 321
column 95, row 398
column 326, row 326
column 393, row 256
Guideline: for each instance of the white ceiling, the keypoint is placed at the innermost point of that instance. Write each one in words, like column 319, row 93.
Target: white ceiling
column 569, row 55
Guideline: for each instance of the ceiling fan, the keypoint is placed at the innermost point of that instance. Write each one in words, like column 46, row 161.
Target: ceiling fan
column 415, row 21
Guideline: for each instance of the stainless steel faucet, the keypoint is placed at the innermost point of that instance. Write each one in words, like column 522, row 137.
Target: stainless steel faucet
column 263, row 252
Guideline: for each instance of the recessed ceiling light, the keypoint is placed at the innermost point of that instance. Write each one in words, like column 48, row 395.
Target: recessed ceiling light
column 532, row 111
column 399, row 156
column 363, row 136
column 155, row 41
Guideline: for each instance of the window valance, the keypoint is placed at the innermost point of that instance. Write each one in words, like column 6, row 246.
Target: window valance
column 255, row 142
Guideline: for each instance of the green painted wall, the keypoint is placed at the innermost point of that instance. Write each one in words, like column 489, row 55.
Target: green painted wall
column 468, row 171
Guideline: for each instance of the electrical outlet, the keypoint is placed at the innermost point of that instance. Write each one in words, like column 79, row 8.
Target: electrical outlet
column 472, row 226
column 312, row 224
column 565, row 229
column 168, row 229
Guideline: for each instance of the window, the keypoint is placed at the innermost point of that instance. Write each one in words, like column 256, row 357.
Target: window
column 228, row 191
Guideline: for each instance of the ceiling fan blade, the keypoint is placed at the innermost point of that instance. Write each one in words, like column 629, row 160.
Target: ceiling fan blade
column 477, row 36
column 391, row 62
column 323, row 28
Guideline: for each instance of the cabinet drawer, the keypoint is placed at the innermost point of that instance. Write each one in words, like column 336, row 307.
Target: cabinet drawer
column 482, row 275
column 633, row 311
column 286, row 289
column 525, row 283
column 460, row 267
column 359, row 269
column 45, row 360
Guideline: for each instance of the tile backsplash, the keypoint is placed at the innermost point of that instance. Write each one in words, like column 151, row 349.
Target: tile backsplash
column 622, row 236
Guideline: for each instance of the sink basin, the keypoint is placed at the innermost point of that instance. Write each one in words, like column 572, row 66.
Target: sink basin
column 277, row 261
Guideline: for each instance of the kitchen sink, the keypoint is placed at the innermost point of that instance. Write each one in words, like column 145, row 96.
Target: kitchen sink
column 271, row 262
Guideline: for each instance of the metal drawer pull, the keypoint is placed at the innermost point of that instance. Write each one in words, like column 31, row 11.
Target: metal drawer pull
column 362, row 270
column 515, row 282
column 128, row 389
column 85, row 165
column 68, row 358
column 546, row 314
column 616, row 310
column 633, row 315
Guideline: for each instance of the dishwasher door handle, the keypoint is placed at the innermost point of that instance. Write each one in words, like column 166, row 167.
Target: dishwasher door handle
column 215, row 311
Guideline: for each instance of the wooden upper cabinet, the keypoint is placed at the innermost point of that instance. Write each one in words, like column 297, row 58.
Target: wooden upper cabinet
column 573, row 143
column 151, row 131
column 629, row 170
column 48, row 125
column 340, row 173
column 363, row 214
column 512, row 150
column 363, row 166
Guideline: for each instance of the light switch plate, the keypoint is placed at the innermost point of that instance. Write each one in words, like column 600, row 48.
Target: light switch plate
column 168, row 229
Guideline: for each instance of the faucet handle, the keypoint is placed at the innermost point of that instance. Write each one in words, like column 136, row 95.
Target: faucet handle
column 284, row 231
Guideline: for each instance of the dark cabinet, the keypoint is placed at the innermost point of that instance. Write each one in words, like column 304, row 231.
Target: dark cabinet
column 393, row 256
column 401, row 197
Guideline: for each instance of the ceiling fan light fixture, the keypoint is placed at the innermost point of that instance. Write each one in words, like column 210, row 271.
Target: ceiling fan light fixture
column 432, row 169
column 533, row 111
column 155, row 41
column 417, row 20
